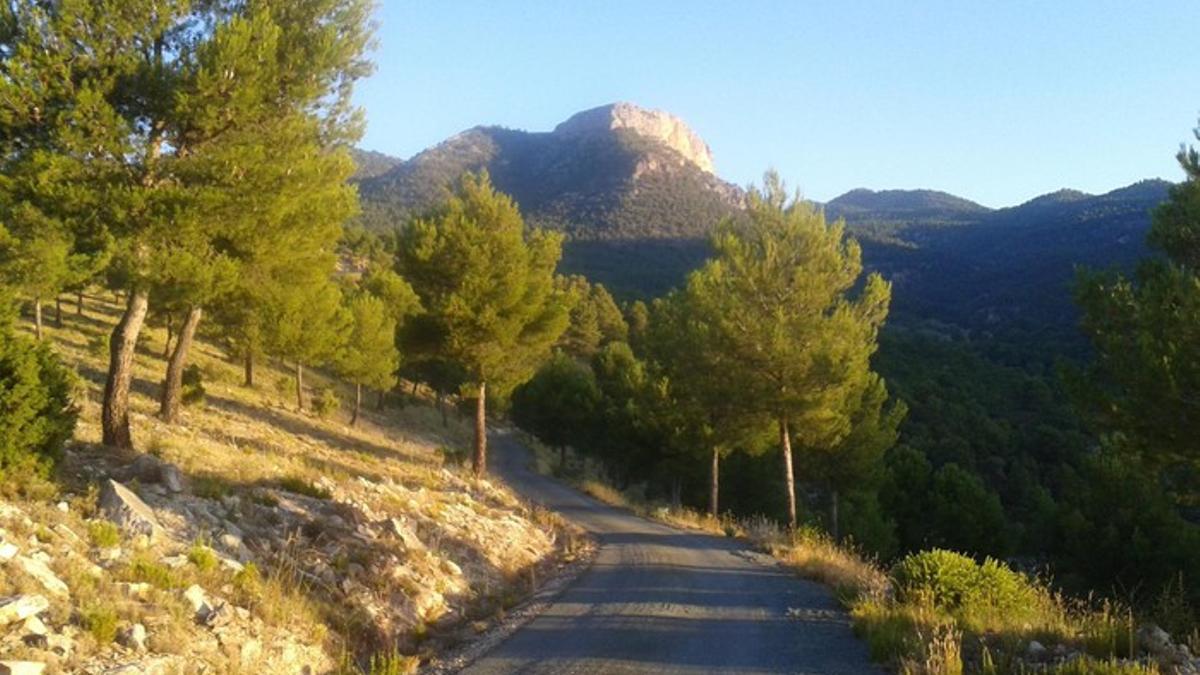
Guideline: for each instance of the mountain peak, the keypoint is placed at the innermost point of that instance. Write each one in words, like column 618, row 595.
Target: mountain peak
column 656, row 125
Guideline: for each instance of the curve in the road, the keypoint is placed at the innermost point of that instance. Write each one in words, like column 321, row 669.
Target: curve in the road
column 661, row 600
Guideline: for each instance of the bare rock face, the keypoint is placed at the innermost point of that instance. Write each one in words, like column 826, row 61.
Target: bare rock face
column 653, row 124
column 120, row 505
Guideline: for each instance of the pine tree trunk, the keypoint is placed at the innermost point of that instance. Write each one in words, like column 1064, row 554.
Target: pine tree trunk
column 676, row 493
column 789, row 479
column 834, row 528
column 172, row 391
column 58, row 311
column 562, row 459
column 167, row 344
column 414, row 389
column 114, row 415
column 37, row 319
column 714, row 495
column 479, row 462
column 357, row 404
column 248, row 367
column 379, row 402
column 79, row 303
column 441, row 406
column 299, row 386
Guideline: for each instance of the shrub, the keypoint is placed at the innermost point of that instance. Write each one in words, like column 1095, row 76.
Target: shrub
column 326, row 402
column 156, row 574
column 302, row 487
column 101, row 622
column 104, row 534
column 949, row 580
column 203, row 557
column 35, row 396
column 193, row 385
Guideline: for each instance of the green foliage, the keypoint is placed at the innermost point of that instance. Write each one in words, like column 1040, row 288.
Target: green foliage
column 595, row 319
column 369, row 357
column 956, row 583
column 193, row 385
column 146, row 570
column 558, row 404
column 326, row 402
column 101, row 621
column 486, row 283
column 104, row 534
column 36, row 400
column 203, row 557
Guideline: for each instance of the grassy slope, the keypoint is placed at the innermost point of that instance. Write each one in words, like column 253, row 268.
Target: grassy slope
column 311, row 499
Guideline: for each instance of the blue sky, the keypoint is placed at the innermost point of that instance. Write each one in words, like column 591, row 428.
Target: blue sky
column 994, row 101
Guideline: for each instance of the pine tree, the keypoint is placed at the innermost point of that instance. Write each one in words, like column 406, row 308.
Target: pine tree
column 796, row 339
column 369, row 357
column 309, row 326
column 1143, row 386
column 558, row 404
column 487, row 286
column 708, row 406
column 595, row 319
column 159, row 114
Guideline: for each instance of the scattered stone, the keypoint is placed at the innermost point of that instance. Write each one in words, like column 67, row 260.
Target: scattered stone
column 134, row 637
column 172, row 478
column 67, row 533
column 406, row 535
column 201, row 607
column 1036, row 651
column 250, row 651
column 22, row 668
column 21, row 607
column 175, row 561
column 34, row 626
column 48, row 579
column 120, row 505
column 8, row 551
column 135, row 590
column 63, row 506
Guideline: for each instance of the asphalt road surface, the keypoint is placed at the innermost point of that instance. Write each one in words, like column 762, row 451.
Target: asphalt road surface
column 661, row 600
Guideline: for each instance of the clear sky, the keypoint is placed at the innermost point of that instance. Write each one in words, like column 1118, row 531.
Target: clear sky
column 994, row 101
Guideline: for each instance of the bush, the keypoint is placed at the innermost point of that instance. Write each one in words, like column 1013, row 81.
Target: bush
column 203, row 557
column 193, row 385
column 955, row 583
column 949, row 580
column 326, row 402
column 104, row 534
column 101, row 622
column 37, row 414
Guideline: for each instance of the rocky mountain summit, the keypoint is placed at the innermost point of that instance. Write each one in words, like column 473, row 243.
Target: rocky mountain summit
column 655, row 124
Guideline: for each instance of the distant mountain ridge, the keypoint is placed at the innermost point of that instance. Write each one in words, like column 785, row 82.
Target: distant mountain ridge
column 634, row 190
column 617, row 172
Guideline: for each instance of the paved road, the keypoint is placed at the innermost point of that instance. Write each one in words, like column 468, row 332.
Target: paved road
column 660, row 600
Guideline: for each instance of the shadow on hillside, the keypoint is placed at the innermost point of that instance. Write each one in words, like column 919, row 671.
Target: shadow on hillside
column 292, row 424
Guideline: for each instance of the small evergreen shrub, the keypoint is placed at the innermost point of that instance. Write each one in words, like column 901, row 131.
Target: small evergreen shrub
column 326, row 402
column 956, row 583
column 37, row 415
column 203, row 557
column 101, row 622
column 104, row 534
column 193, row 385
column 948, row 579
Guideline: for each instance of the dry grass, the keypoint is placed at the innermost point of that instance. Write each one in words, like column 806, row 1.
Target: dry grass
column 243, row 445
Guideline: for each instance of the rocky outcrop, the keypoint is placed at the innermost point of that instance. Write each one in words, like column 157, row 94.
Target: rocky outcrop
column 120, row 505
column 653, row 124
